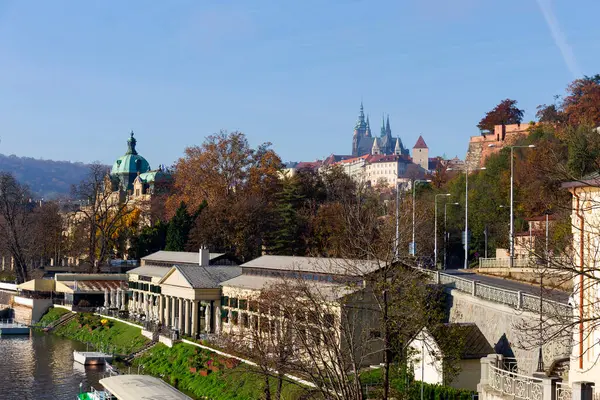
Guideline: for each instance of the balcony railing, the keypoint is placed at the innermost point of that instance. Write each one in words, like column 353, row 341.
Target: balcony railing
column 512, row 384
column 563, row 391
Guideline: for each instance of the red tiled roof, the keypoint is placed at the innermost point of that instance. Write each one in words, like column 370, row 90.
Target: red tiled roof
column 420, row 144
column 308, row 165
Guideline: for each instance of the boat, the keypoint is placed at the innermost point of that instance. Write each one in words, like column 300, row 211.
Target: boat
column 91, row 357
column 13, row 328
column 133, row 387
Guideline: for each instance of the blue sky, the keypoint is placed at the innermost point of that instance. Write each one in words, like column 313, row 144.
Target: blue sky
column 77, row 76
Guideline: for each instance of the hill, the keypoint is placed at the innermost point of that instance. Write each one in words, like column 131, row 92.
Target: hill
column 46, row 178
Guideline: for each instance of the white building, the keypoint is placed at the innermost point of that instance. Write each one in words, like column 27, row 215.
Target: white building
column 428, row 359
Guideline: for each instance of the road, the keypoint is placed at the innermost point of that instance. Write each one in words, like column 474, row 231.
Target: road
column 553, row 294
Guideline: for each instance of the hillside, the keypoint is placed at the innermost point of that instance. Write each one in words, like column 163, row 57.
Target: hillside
column 46, row 178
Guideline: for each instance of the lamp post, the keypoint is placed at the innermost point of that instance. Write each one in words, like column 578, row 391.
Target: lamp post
column 415, row 181
column 445, row 232
column 540, row 366
column 397, row 244
column 467, row 170
column 512, row 219
column 435, row 248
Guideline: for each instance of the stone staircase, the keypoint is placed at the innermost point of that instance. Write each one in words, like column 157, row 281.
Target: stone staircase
column 61, row 321
column 141, row 351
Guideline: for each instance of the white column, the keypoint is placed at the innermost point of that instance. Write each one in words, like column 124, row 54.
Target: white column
column 173, row 305
column 194, row 318
column 186, row 326
column 160, row 308
column 167, row 312
column 180, row 324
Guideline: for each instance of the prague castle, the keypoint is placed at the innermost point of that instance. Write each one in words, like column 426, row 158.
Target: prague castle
column 364, row 143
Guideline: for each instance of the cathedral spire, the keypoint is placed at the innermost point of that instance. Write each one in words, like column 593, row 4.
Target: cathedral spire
column 388, row 130
column 398, row 148
column 368, row 133
column 375, row 149
column 382, row 125
column 361, row 124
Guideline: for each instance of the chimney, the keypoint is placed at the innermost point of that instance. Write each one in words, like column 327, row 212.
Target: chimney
column 204, row 256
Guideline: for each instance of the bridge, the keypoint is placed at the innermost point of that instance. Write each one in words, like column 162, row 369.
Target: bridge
column 500, row 308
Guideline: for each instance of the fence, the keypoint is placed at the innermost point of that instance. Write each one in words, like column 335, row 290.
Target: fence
column 563, row 391
column 520, row 386
column 515, row 299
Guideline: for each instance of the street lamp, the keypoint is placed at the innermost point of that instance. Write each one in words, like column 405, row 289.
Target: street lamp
column 415, row 181
column 512, row 219
column 467, row 170
column 445, row 232
column 435, row 248
column 540, row 366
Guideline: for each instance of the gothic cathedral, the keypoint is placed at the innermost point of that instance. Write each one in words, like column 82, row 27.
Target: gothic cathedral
column 364, row 143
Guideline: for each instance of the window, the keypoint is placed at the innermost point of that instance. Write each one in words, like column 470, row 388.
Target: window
column 253, row 306
column 244, row 320
column 137, row 192
column 234, row 317
column 225, row 316
column 224, row 300
column 233, row 302
column 243, row 304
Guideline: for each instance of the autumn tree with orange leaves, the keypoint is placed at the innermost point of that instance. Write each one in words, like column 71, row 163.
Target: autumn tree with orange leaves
column 237, row 182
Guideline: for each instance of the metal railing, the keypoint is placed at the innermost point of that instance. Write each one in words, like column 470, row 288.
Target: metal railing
column 513, row 384
column 563, row 391
column 523, row 366
column 504, row 262
column 515, row 299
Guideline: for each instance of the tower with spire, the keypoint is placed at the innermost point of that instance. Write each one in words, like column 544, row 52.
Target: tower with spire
column 363, row 141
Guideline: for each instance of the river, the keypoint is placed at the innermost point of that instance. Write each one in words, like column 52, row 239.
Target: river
column 41, row 367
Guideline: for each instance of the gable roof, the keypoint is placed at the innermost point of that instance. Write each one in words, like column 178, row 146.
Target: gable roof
column 204, row 277
column 474, row 344
column 420, row 143
column 149, row 270
column 178, row 257
column 333, row 266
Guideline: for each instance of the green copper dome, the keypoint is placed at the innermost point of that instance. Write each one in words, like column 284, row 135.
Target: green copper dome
column 127, row 167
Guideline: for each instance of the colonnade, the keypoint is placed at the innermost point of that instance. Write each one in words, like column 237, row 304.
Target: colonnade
column 189, row 317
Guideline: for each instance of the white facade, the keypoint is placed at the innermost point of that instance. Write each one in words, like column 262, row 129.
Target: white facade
column 585, row 218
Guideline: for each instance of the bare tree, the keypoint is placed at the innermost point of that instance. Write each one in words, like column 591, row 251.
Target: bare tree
column 16, row 221
column 101, row 213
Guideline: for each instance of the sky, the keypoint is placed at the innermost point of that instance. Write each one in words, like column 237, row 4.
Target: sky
column 77, row 76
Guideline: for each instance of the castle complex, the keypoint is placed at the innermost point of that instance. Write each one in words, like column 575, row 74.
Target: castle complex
column 364, row 143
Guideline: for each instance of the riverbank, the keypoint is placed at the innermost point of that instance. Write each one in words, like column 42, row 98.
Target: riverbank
column 104, row 334
column 198, row 372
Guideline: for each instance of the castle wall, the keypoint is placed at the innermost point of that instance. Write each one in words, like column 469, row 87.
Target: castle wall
column 479, row 146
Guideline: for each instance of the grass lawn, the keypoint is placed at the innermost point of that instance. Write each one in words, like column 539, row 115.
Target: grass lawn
column 103, row 334
column 202, row 373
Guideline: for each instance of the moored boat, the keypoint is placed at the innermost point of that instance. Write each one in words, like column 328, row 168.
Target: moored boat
column 134, row 387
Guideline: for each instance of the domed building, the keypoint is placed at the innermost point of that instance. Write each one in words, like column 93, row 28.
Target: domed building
column 133, row 179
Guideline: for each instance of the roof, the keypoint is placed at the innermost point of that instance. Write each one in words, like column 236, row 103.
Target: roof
column 130, row 164
column 178, row 257
column 205, row 277
column 308, row 165
column 333, row 266
column 334, row 158
column 420, row 143
column 157, row 175
column 89, row 286
column 329, row 291
column 141, row 387
column 474, row 344
column 386, row 158
column 44, row 285
column 150, row 270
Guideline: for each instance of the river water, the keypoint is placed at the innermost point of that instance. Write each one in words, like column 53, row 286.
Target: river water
column 41, row 366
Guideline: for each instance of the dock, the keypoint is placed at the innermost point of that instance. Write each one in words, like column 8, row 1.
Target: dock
column 13, row 328
column 91, row 357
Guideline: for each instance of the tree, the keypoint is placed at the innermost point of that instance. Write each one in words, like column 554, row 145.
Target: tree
column 179, row 228
column 239, row 184
column 582, row 103
column 288, row 236
column 100, row 215
column 503, row 114
column 16, row 222
column 151, row 239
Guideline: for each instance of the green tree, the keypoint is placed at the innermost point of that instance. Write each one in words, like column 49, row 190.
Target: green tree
column 584, row 150
column 179, row 229
column 288, row 237
column 151, row 239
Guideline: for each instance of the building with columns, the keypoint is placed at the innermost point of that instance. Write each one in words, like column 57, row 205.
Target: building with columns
column 337, row 284
column 180, row 290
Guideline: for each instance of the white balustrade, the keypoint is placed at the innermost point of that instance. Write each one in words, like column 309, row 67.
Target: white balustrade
column 510, row 383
